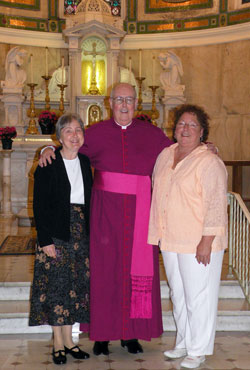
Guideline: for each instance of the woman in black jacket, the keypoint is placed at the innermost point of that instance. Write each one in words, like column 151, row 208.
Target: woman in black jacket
column 60, row 291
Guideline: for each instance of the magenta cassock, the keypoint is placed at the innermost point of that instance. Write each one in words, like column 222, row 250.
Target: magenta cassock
column 132, row 151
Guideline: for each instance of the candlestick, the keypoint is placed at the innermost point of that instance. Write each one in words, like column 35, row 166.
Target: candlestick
column 153, row 70
column 31, row 69
column 46, row 62
column 62, row 70
column 61, row 106
column 47, row 99
column 139, row 63
column 130, row 66
column 139, row 105
column 154, row 111
column 112, row 75
column 32, row 129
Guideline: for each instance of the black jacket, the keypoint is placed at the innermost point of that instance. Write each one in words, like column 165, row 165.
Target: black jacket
column 51, row 202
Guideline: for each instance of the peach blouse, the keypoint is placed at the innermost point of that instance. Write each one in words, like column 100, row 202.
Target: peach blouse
column 189, row 201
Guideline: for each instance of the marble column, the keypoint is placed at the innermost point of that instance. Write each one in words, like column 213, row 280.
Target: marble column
column 75, row 71
column 115, row 70
column 6, row 209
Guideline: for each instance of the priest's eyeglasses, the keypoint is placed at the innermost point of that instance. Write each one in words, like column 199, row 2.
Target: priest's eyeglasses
column 120, row 100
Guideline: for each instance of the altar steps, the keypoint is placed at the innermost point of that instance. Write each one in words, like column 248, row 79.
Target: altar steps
column 233, row 312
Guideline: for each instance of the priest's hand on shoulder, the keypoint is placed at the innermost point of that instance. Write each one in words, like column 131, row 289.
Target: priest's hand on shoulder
column 46, row 156
column 212, row 147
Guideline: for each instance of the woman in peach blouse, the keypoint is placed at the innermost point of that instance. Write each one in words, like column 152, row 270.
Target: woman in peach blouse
column 189, row 221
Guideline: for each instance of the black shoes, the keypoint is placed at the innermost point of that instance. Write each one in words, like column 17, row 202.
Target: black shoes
column 101, row 348
column 79, row 354
column 59, row 357
column 132, row 346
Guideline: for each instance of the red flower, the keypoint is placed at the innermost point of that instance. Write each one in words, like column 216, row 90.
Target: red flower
column 46, row 117
column 7, row 132
column 143, row 117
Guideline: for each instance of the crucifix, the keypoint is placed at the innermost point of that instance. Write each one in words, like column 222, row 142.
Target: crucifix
column 93, row 90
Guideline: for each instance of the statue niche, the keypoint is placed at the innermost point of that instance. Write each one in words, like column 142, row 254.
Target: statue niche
column 94, row 70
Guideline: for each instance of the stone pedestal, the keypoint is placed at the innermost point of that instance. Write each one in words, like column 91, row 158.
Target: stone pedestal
column 20, row 164
column 6, row 209
column 169, row 103
column 13, row 100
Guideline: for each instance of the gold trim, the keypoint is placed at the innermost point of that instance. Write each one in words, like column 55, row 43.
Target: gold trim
column 160, row 27
column 239, row 17
column 202, row 23
column 158, row 4
column 15, row 22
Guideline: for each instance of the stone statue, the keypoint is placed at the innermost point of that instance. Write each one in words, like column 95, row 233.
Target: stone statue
column 172, row 70
column 15, row 75
column 56, row 79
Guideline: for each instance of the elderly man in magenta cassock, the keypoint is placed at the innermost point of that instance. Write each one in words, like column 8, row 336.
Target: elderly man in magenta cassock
column 125, row 289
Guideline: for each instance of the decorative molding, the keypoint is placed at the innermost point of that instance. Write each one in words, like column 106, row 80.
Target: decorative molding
column 32, row 38
column 185, row 39
column 131, row 42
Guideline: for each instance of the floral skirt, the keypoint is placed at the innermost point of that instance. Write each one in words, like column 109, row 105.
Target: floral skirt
column 60, row 290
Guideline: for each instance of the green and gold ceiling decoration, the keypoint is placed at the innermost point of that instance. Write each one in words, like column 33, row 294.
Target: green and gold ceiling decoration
column 143, row 16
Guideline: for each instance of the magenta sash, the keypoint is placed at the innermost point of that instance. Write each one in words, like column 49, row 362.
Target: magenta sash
column 142, row 253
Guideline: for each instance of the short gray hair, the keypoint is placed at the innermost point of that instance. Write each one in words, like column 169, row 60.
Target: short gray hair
column 65, row 120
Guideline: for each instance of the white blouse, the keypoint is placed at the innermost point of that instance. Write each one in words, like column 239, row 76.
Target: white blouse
column 74, row 173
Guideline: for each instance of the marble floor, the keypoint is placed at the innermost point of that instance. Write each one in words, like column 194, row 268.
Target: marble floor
column 33, row 351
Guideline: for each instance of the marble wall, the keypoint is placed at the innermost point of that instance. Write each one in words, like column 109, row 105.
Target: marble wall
column 217, row 78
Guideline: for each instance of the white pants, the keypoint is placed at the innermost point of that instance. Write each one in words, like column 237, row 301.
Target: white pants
column 194, row 290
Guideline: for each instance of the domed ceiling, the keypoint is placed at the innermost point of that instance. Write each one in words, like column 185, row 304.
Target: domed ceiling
column 139, row 16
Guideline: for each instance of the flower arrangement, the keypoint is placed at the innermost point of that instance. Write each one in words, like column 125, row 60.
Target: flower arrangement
column 144, row 117
column 47, row 121
column 7, row 133
column 47, row 117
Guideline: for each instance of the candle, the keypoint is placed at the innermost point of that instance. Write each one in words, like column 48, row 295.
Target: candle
column 153, row 70
column 46, row 62
column 130, row 65
column 62, row 70
column 31, row 69
column 139, row 62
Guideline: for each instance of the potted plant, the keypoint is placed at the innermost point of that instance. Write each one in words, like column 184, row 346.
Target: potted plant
column 144, row 117
column 47, row 121
column 6, row 135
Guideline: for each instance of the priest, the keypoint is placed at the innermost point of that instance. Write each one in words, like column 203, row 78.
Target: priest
column 125, row 301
